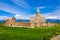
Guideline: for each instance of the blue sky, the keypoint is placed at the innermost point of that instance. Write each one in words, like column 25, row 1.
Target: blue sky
column 24, row 9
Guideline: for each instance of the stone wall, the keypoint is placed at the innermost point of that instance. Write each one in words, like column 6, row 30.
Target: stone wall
column 22, row 24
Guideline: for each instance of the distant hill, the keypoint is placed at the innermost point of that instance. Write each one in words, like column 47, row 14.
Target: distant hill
column 52, row 20
column 22, row 20
column 2, row 21
column 47, row 20
column 25, row 20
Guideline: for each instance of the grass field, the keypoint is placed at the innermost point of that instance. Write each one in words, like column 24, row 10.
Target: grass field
column 11, row 33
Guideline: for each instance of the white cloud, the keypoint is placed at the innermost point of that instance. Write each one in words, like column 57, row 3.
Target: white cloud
column 41, row 7
column 21, row 17
column 10, row 9
column 4, row 17
column 18, row 13
column 52, row 15
column 21, row 3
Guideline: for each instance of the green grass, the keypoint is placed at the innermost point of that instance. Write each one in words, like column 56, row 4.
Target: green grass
column 11, row 33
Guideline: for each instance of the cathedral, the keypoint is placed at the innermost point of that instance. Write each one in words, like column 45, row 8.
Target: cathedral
column 36, row 21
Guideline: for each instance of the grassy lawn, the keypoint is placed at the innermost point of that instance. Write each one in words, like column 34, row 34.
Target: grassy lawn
column 11, row 33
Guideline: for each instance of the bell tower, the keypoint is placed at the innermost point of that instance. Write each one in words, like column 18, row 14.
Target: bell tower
column 38, row 13
column 13, row 18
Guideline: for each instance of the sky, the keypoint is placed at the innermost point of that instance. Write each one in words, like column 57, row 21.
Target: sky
column 24, row 9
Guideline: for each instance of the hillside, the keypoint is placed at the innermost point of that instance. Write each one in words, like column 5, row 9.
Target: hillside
column 11, row 33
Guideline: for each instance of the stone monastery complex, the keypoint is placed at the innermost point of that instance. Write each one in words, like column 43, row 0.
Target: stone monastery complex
column 36, row 21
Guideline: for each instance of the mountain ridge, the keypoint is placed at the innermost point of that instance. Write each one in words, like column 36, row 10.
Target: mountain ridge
column 26, row 20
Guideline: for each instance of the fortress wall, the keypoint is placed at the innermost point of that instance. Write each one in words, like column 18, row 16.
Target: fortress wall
column 22, row 24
